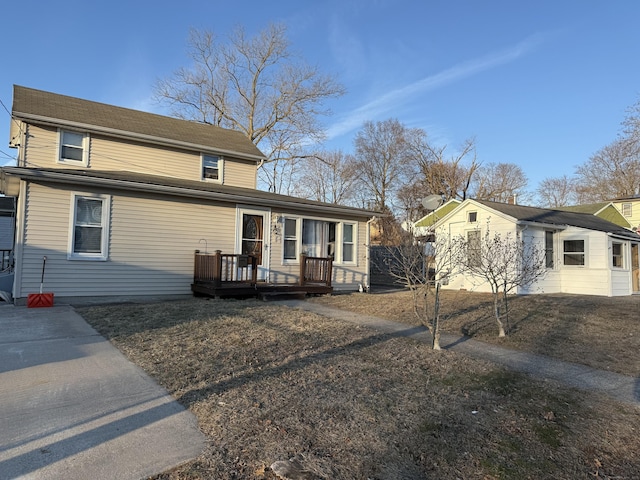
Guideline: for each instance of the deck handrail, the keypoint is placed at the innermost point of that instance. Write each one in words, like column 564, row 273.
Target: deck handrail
column 315, row 270
column 220, row 268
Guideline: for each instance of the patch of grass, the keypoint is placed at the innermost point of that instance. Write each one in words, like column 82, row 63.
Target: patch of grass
column 270, row 383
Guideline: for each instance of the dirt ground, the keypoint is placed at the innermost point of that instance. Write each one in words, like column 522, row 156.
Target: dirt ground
column 268, row 383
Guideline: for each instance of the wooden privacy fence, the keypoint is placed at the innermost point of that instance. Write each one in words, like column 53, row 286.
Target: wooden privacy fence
column 219, row 268
column 315, row 270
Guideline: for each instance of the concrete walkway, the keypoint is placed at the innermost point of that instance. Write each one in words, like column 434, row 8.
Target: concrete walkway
column 619, row 387
column 73, row 407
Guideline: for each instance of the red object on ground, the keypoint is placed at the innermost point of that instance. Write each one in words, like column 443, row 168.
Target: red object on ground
column 38, row 300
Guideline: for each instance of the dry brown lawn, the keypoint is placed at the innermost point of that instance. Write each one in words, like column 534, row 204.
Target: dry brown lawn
column 270, row 383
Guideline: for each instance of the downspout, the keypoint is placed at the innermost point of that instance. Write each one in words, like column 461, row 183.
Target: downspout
column 18, row 246
column 367, row 285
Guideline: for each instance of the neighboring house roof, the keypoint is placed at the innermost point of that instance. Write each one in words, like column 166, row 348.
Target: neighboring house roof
column 604, row 210
column 37, row 106
column 174, row 186
column 558, row 218
column 432, row 218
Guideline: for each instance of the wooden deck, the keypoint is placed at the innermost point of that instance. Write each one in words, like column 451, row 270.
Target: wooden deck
column 232, row 275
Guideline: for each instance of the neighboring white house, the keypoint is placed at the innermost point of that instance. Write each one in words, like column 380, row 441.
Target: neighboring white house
column 585, row 254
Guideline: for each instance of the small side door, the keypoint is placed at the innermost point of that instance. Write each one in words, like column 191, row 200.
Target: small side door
column 252, row 237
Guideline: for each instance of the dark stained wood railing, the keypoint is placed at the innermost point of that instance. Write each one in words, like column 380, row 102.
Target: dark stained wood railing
column 225, row 268
column 315, row 270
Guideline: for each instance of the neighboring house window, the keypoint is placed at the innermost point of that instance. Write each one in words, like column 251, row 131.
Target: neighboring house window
column 473, row 248
column 574, row 252
column 473, row 217
column 290, row 238
column 212, row 168
column 348, row 231
column 618, row 260
column 73, row 148
column 627, row 209
column 548, row 248
column 89, row 232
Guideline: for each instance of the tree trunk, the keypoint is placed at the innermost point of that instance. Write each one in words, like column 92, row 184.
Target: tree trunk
column 496, row 309
column 436, row 319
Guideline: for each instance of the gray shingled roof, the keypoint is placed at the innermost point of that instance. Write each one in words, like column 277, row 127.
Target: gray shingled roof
column 558, row 217
column 180, row 187
column 45, row 107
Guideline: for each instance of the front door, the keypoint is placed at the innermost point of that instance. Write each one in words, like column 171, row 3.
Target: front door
column 635, row 268
column 253, row 237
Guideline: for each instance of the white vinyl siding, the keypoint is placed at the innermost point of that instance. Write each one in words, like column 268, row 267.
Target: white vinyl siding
column 115, row 154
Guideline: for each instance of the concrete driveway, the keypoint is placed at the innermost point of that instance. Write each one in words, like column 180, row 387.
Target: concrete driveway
column 72, row 406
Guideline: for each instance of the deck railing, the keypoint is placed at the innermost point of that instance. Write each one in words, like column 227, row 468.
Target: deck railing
column 315, row 270
column 220, row 268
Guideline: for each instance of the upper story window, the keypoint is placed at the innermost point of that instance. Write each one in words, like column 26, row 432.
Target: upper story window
column 574, row 252
column 212, row 168
column 627, row 209
column 473, row 217
column 74, row 148
column 89, row 227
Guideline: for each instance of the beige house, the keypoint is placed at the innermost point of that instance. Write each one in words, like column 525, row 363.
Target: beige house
column 119, row 200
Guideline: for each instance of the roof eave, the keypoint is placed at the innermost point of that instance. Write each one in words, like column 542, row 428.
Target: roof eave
column 131, row 185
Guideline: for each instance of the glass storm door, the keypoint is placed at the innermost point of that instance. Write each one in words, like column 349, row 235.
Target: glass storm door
column 252, row 225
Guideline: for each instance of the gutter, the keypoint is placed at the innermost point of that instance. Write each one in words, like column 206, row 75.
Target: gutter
column 620, row 236
column 227, row 197
column 550, row 226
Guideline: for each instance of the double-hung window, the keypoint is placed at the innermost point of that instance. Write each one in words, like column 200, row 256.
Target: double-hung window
column 474, row 258
column 89, row 227
column 548, row 249
column 348, row 245
column 73, row 148
column 212, row 168
column 617, row 255
column 290, row 239
column 574, row 252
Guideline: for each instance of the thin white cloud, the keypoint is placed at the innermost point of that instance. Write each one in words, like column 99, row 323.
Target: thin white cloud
column 390, row 101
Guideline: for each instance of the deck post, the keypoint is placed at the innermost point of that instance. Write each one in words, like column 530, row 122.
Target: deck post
column 303, row 269
column 217, row 268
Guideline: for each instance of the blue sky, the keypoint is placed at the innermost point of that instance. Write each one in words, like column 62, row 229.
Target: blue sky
column 541, row 84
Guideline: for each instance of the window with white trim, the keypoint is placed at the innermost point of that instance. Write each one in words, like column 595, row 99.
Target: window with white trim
column 548, row 248
column 617, row 255
column 348, row 244
column 473, row 248
column 211, row 168
column 318, row 238
column 574, row 252
column 627, row 209
column 290, row 239
column 73, row 148
column 89, row 227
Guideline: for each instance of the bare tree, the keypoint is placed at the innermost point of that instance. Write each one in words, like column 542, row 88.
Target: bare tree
column 500, row 182
column 613, row 171
column 440, row 174
column 255, row 85
column 328, row 177
column 382, row 158
column 554, row 192
column 422, row 267
column 506, row 262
